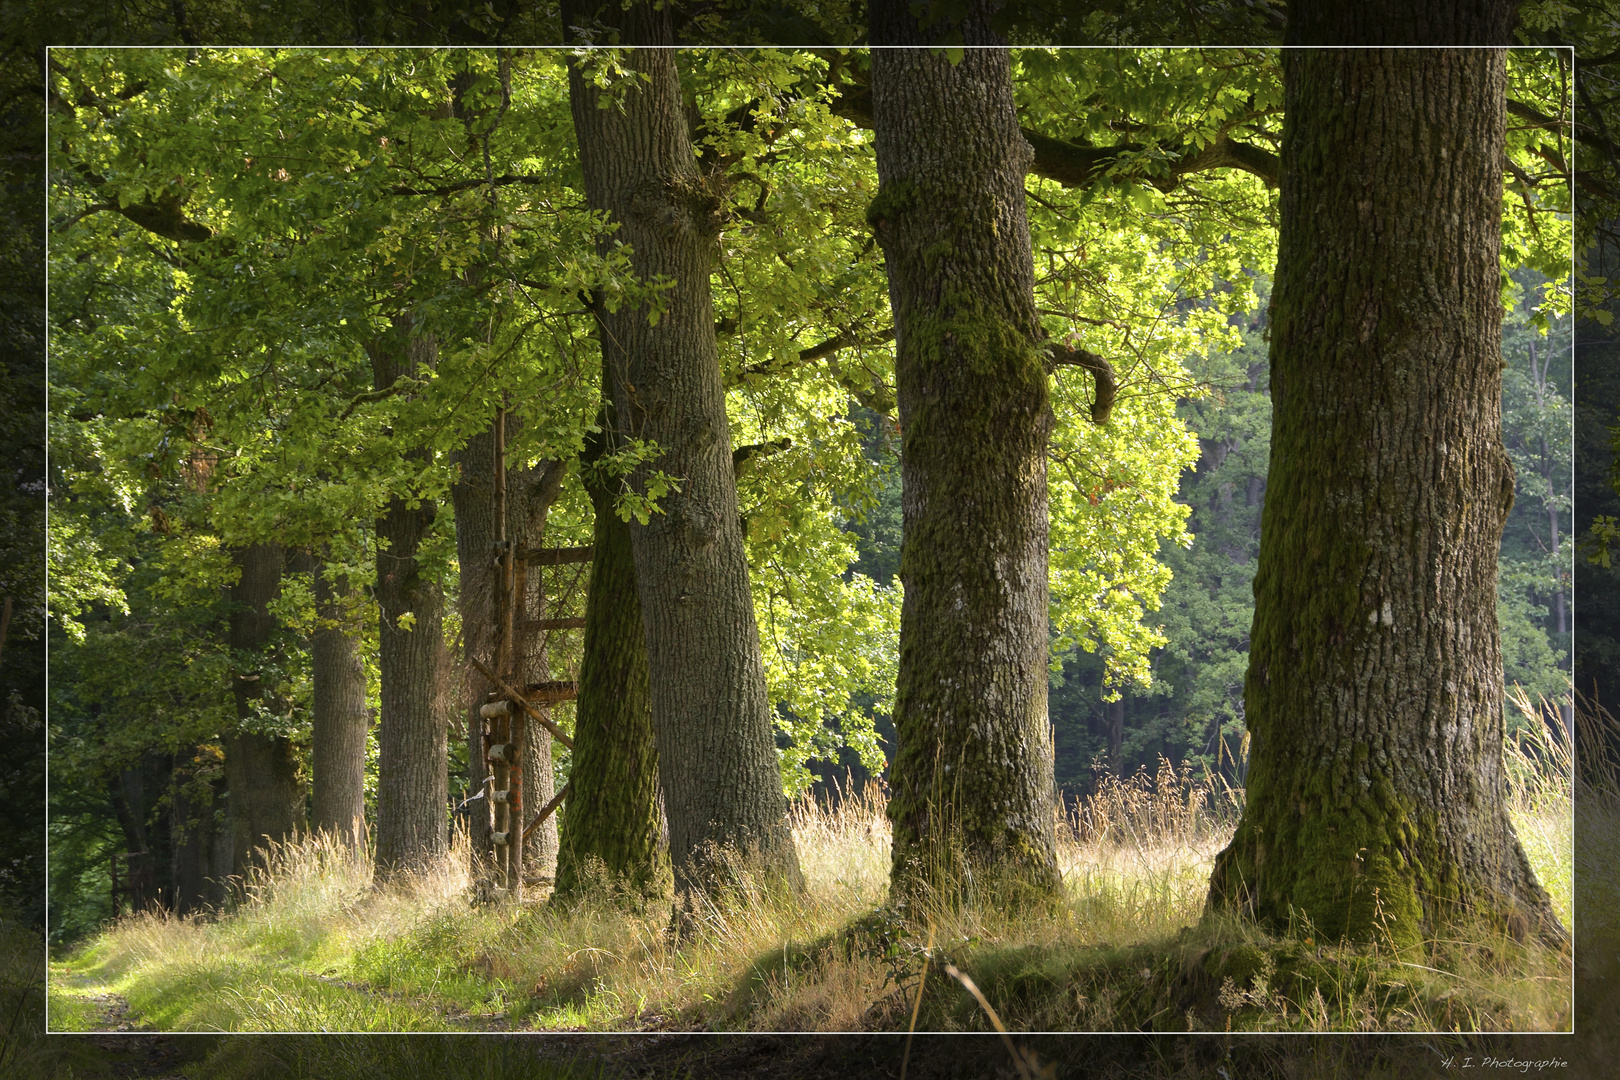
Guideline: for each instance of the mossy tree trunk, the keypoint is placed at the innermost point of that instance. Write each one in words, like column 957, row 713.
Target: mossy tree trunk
column 612, row 817
column 716, row 744
column 973, row 773
column 340, row 717
column 412, row 752
column 266, row 800
column 1374, row 692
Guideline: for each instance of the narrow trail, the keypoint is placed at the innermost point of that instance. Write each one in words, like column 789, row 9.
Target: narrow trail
column 114, row 1013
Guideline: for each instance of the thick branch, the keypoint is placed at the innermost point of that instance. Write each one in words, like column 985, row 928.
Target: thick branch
column 743, row 454
column 1536, row 116
column 1081, row 165
column 163, row 216
column 404, row 382
column 1061, row 355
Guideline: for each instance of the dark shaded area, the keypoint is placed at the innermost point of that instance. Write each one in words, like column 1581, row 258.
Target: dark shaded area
column 22, row 488
column 1597, row 411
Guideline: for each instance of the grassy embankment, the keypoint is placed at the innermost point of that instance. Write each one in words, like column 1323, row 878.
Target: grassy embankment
column 313, row 946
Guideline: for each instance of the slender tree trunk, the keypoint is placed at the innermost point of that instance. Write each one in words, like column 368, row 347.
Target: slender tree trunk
column 473, row 494
column 1116, row 735
column 972, row 778
column 412, row 760
column 261, row 771
column 1374, row 691
column 535, row 490
column 196, row 868
column 340, row 721
column 716, row 744
column 612, row 814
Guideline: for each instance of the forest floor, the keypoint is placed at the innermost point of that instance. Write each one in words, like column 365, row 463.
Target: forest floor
column 315, row 946
column 311, row 945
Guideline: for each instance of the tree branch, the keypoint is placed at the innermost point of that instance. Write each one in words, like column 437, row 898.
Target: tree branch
column 1535, row 116
column 404, row 382
column 743, row 454
column 876, row 400
column 464, row 185
column 1060, row 355
column 1081, row 165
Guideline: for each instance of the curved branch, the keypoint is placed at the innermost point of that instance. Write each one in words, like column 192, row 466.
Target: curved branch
column 1062, row 355
column 877, row 400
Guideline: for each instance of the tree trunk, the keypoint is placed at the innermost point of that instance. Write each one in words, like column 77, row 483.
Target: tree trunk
column 341, row 719
column 412, row 754
column 716, row 744
column 532, row 491
column 261, row 771
column 535, row 490
column 1374, row 692
column 972, row 777
column 473, row 494
column 200, row 851
column 612, row 814
column 1116, row 735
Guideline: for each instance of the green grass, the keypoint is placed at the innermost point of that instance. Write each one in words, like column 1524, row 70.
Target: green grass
column 70, row 1007
column 312, row 945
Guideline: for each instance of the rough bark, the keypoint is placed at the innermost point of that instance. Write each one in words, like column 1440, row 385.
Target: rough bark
column 340, row 717
column 716, row 745
column 612, row 814
column 265, row 797
column 1374, row 689
column 972, row 776
column 1399, row 22
column 412, row 754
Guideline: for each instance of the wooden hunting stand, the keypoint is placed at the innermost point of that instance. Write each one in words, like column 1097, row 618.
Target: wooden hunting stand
column 511, row 703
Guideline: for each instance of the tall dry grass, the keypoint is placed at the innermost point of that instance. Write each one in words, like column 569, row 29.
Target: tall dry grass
column 312, row 942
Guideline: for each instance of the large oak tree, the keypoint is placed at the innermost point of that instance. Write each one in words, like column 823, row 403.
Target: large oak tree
column 972, row 781
column 717, row 755
column 1374, row 690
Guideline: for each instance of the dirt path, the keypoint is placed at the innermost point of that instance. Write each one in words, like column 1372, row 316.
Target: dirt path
column 114, row 1013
